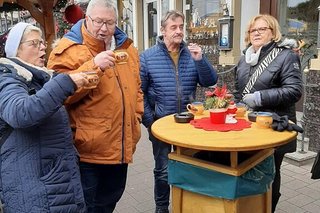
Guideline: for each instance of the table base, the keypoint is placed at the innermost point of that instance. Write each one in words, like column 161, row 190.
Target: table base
column 184, row 201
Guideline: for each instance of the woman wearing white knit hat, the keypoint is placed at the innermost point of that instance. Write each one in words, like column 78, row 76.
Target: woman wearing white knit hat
column 39, row 171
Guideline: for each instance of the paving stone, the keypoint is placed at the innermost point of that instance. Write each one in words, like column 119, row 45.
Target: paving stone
column 295, row 184
column 312, row 208
column 300, row 200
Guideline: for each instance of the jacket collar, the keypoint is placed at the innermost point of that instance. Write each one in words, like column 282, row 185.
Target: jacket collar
column 95, row 45
column 266, row 49
column 26, row 70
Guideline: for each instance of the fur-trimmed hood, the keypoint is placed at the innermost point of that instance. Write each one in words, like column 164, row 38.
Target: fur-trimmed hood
column 22, row 71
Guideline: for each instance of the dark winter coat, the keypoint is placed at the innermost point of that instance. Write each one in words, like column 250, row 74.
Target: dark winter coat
column 167, row 88
column 39, row 171
column 280, row 84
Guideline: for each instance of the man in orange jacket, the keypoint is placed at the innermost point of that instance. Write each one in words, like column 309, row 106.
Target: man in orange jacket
column 106, row 119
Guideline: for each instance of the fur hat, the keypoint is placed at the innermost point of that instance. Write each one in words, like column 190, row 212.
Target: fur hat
column 14, row 39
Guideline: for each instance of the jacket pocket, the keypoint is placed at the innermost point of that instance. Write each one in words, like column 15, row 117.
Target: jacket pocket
column 92, row 133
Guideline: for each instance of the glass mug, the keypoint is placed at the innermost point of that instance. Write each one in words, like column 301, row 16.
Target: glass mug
column 121, row 56
column 196, row 108
column 241, row 110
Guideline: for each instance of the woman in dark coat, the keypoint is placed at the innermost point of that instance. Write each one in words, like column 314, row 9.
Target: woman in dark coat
column 268, row 78
column 39, row 171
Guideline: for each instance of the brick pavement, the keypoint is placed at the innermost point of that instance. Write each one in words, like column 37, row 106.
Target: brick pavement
column 300, row 194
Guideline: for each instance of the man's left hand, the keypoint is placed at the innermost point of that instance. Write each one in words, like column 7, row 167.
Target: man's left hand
column 195, row 50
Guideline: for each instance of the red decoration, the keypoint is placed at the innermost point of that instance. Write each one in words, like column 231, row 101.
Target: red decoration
column 206, row 124
column 73, row 13
column 218, row 116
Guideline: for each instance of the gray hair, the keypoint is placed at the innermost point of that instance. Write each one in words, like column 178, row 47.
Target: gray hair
column 101, row 3
column 171, row 14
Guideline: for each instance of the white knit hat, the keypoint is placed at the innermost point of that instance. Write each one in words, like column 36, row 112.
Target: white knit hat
column 14, row 39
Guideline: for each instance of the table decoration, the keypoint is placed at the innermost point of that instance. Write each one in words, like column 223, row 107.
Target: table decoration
column 217, row 102
column 206, row 124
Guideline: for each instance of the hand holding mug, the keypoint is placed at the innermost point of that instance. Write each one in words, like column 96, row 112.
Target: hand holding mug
column 93, row 79
column 79, row 79
column 105, row 59
column 195, row 51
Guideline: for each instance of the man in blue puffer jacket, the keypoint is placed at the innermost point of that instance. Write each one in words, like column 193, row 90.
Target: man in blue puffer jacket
column 170, row 72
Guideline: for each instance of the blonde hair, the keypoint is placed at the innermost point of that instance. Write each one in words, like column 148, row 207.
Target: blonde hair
column 29, row 29
column 272, row 23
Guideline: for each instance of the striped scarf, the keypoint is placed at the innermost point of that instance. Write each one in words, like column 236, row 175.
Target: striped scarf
column 261, row 67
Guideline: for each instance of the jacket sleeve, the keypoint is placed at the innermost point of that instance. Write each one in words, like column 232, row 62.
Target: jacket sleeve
column 21, row 110
column 290, row 81
column 63, row 63
column 207, row 74
column 236, row 92
column 148, row 116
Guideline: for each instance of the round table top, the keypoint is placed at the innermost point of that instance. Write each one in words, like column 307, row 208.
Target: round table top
column 187, row 136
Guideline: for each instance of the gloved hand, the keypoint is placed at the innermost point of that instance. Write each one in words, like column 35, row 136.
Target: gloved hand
column 253, row 100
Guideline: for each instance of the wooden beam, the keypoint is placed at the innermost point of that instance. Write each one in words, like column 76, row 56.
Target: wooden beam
column 34, row 11
column 48, row 21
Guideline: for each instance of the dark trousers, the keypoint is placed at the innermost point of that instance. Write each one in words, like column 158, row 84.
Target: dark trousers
column 278, row 158
column 103, row 185
column 160, row 171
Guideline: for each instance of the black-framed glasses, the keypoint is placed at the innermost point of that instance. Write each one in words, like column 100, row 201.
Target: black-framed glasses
column 260, row 30
column 99, row 23
column 36, row 42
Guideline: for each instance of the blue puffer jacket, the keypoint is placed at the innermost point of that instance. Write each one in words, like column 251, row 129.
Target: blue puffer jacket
column 39, row 171
column 167, row 88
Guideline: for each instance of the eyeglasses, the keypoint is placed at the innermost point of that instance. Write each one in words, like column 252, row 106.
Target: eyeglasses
column 36, row 42
column 99, row 23
column 260, row 30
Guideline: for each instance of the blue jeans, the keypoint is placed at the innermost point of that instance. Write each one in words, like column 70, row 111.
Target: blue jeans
column 103, row 185
column 161, row 186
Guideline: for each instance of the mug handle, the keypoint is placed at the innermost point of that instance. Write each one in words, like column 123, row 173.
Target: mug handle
column 191, row 108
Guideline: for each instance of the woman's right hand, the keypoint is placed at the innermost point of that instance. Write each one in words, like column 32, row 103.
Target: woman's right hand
column 82, row 79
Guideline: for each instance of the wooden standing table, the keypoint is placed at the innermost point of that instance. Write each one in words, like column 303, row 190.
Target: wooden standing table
column 188, row 140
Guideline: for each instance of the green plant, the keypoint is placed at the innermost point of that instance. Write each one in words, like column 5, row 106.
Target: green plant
column 218, row 98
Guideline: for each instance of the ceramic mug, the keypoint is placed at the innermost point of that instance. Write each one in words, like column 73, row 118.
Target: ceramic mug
column 264, row 119
column 196, row 108
column 121, row 56
column 93, row 79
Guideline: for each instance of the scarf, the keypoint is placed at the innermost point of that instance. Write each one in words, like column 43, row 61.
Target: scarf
column 252, row 57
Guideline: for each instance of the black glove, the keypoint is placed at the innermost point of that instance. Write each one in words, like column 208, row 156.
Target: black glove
column 294, row 127
column 281, row 123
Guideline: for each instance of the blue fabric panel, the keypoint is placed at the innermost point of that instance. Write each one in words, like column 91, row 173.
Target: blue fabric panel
column 216, row 184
